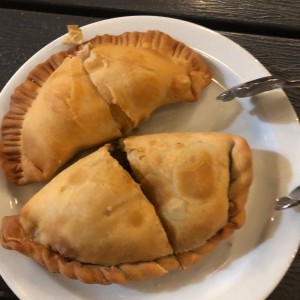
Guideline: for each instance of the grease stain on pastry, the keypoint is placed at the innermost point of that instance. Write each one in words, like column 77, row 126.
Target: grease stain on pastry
column 197, row 180
column 135, row 218
column 78, row 178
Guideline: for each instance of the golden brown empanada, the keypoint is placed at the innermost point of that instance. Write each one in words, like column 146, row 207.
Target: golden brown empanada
column 186, row 175
column 91, row 94
column 93, row 222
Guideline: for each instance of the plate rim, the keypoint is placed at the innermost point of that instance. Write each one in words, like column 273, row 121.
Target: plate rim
column 53, row 45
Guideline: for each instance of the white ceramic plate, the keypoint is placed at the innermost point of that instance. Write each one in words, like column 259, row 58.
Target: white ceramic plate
column 253, row 261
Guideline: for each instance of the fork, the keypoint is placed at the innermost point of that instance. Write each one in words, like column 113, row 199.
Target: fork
column 257, row 86
column 288, row 201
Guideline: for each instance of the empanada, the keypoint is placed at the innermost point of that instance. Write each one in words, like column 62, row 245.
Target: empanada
column 91, row 94
column 94, row 222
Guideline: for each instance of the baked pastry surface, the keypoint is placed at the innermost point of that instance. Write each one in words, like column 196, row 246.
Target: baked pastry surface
column 92, row 94
column 95, row 223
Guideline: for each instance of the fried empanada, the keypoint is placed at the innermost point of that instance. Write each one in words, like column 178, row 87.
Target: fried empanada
column 150, row 205
column 91, row 94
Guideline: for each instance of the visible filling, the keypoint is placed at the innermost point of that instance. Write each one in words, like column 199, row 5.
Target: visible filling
column 118, row 153
column 121, row 157
column 231, row 179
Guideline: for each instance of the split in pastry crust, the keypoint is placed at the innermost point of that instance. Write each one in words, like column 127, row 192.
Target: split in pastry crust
column 94, row 223
column 92, row 94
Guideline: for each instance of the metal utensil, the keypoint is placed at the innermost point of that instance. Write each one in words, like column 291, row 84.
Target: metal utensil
column 286, row 202
column 257, row 86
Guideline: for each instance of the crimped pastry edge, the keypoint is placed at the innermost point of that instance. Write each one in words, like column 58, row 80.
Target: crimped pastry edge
column 24, row 95
column 12, row 237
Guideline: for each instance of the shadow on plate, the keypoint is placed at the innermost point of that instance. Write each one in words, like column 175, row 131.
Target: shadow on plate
column 206, row 114
column 272, row 107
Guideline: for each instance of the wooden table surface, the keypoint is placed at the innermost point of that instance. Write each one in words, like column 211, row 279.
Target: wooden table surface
column 269, row 30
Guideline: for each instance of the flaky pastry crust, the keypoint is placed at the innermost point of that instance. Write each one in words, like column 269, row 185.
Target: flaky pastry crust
column 20, row 164
column 240, row 169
